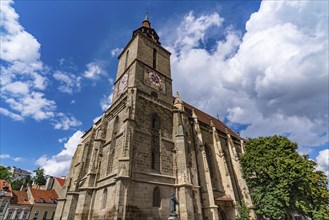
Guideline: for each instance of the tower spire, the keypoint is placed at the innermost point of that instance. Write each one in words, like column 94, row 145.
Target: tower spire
column 146, row 23
column 146, row 15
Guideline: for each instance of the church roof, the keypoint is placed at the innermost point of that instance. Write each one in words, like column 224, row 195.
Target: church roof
column 205, row 118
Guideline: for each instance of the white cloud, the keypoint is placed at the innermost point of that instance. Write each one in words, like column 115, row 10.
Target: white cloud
column 192, row 30
column 61, row 140
column 69, row 83
column 94, row 71
column 7, row 156
column 116, row 52
column 106, row 102
column 323, row 161
column 32, row 105
column 274, row 78
column 65, row 122
column 97, row 118
column 23, row 75
column 59, row 164
column 12, row 115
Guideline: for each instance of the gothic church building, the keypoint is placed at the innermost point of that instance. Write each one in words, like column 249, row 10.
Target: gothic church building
column 149, row 145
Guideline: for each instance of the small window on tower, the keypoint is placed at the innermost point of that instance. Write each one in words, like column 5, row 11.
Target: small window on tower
column 154, row 58
column 154, row 95
column 126, row 62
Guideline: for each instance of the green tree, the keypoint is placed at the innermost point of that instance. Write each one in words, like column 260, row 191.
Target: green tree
column 5, row 174
column 27, row 181
column 243, row 212
column 281, row 181
column 39, row 177
column 17, row 184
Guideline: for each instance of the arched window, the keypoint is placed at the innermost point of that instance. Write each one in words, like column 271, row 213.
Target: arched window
column 126, row 62
column 115, row 126
column 155, row 52
column 156, row 197
column 210, row 160
column 104, row 198
column 111, row 152
column 155, row 122
column 155, row 143
column 154, row 95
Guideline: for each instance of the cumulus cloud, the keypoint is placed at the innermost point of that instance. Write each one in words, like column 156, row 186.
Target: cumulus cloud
column 23, row 75
column 192, row 30
column 273, row 79
column 68, row 82
column 106, row 102
column 116, row 51
column 323, row 161
column 65, row 122
column 94, row 71
column 59, row 164
column 97, row 118
column 7, row 156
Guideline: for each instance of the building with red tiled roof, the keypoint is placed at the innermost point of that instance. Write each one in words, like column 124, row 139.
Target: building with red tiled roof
column 5, row 197
column 30, row 203
column 60, row 181
column 44, row 203
column 20, row 207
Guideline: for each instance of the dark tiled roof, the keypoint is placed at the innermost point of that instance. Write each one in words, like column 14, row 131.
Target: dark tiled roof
column 20, row 198
column 60, row 181
column 205, row 118
column 44, row 196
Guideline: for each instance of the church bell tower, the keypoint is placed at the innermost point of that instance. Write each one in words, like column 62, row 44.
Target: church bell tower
column 148, row 148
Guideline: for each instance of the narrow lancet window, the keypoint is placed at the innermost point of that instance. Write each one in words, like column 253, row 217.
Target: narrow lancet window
column 155, row 143
column 155, row 58
column 126, row 62
column 156, row 197
column 104, row 199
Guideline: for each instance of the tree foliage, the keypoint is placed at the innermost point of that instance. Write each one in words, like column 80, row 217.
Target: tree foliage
column 17, row 184
column 243, row 212
column 5, row 174
column 39, row 177
column 282, row 182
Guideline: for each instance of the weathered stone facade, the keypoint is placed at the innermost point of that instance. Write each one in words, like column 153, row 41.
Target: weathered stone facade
column 148, row 145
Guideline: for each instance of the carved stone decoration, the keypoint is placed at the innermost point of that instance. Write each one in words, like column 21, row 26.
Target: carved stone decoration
column 226, row 168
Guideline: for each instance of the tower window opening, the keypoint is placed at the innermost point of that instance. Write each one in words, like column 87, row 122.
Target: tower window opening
column 126, row 62
column 155, row 58
column 104, row 199
column 156, row 197
column 155, row 122
column 154, row 95
column 155, row 143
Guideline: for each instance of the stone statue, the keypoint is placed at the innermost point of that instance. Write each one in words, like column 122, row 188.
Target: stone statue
column 172, row 205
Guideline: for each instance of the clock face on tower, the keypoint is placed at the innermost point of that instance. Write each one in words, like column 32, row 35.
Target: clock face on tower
column 122, row 84
column 154, row 80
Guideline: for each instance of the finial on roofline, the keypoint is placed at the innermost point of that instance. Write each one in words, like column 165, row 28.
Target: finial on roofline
column 146, row 23
column 147, row 15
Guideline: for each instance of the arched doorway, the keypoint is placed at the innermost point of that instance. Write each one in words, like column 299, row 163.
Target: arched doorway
column 221, row 213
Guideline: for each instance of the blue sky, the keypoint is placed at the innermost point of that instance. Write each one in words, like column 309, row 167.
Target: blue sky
column 261, row 66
